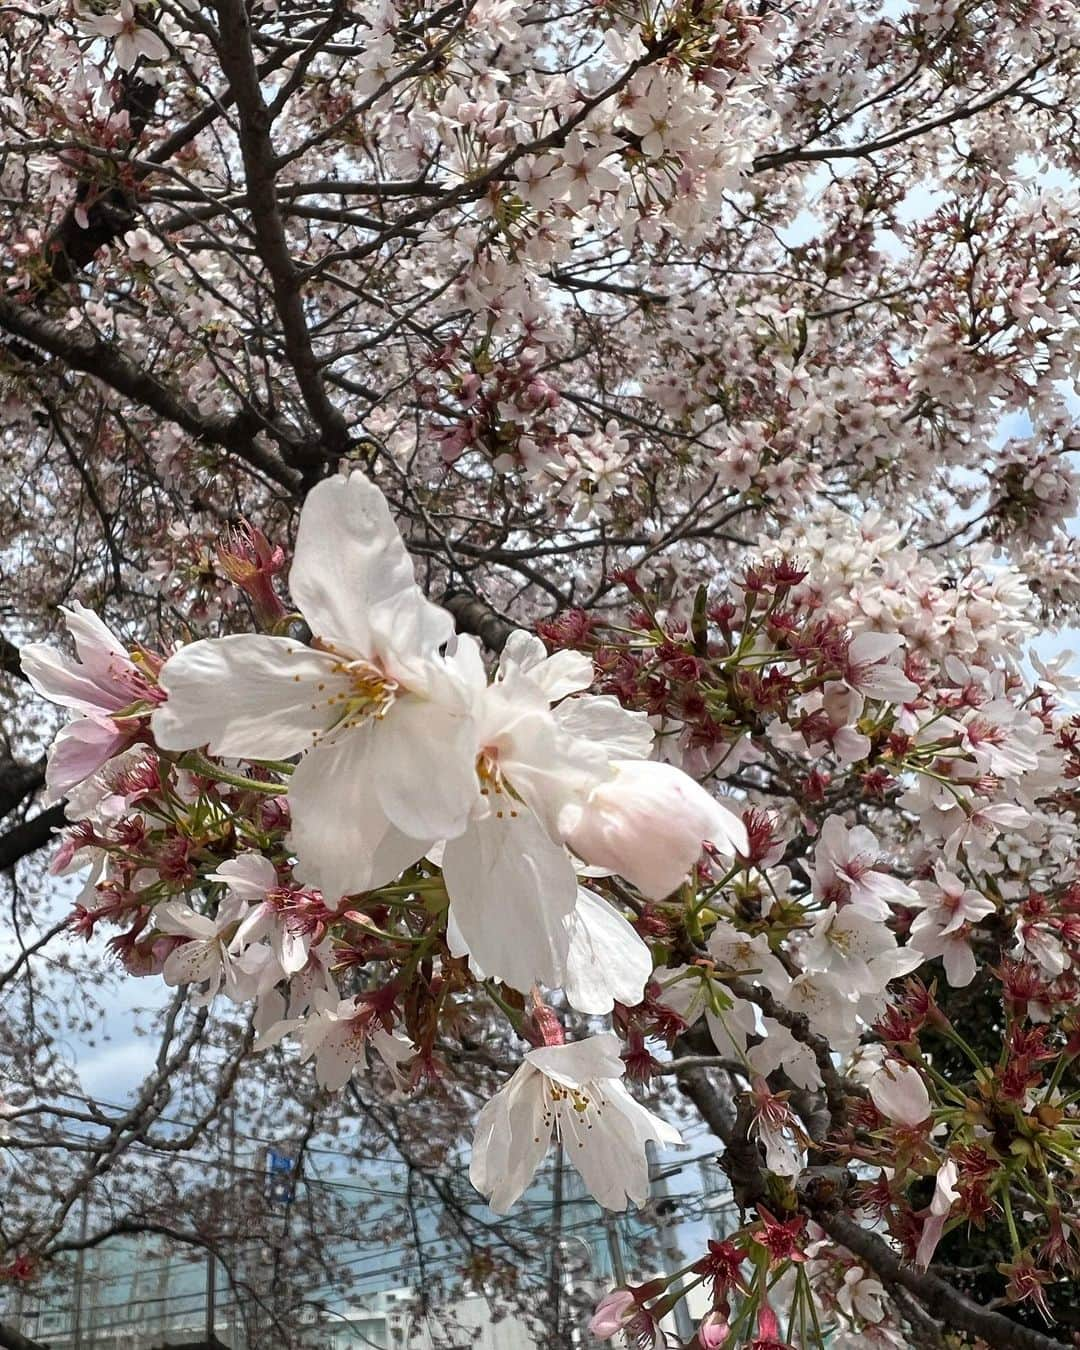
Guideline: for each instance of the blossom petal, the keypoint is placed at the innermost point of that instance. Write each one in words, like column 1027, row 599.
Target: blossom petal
column 557, row 675
column 423, row 769
column 177, row 918
column 899, row 1093
column 579, row 1062
column 249, row 876
column 193, row 962
column 79, row 750
column 550, row 770
column 250, row 695
column 349, row 559
column 606, row 960
column 511, row 1139
column 613, row 1161
column 62, row 681
column 511, row 889
column 602, row 720
column 340, row 834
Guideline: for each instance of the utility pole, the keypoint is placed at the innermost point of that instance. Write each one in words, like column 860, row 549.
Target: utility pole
column 80, row 1272
column 555, row 1276
column 614, row 1246
column 211, row 1296
column 673, row 1257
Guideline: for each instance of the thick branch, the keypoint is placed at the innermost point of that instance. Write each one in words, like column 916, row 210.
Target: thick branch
column 109, row 209
column 18, row 781
column 108, row 364
column 30, row 835
column 473, row 615
column 10, row 1339
column 260, row 168
column 954, row 1309
column 10, row 659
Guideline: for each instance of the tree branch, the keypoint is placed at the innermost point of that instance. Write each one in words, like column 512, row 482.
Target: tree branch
column 31, row 834
column 18, row 781
column 10, row 659
column 260, row 168
column 473, row 615
column 956, row 1310
column 10, row 1339
column 108, row 364
column 743, row 1165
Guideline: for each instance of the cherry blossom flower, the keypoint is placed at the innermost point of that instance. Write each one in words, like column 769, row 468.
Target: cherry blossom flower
column 649, row 823
column 575, row 1091
column 337, row 1036
column 104, row 686
column 869, row 671
column 143, row 247
column 847, row 869
column 314, row 985
column 271, row 913
column 778, row 1049
column 828, row 1005
column 208, row 952
column 899, row 1093
column 778, row 1129
column 1002, row 739
column 606, row 961
column 511, row 882
column 981, row 824
column 943, row 928
column 615, row 1311
column 713, row 1331
column 849, row 944
column 367, row 700
column 945, row 1196
column 861, row 1295
column 734, row 950
column 130, row 39
column 621, row 1312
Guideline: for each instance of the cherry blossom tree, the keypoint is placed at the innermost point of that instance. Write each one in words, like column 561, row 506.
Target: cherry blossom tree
column 536, row 551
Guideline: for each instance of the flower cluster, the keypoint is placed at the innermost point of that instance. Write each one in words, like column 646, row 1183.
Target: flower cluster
column 383, row 764
column 349, row 821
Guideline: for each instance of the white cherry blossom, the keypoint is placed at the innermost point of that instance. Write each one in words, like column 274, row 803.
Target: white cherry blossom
column 899, row 1093
column 848, row 944
column 861, row 1295
column 366, row 702
column 131, row 40
column 337, row 1040
column 209, row 952
column 649, row 823
column 254, row 880
column 944, row 1197
column 847, row 868
column 575, row 1092
column 606, row 961
column 944, row 926
column 511, row 883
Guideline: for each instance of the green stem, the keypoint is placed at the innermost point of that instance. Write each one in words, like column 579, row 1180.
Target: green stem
column 958, row 1040
column 197, row 763
column 511, row 1014
column 1056, row 1076
column 1006, row 1205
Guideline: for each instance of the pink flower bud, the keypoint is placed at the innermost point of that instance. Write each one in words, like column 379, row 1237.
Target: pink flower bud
column 613, row 1313
column 251, row 562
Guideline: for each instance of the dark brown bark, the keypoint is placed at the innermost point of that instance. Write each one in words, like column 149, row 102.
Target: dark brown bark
column 29, row 835
column 956, row 1311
